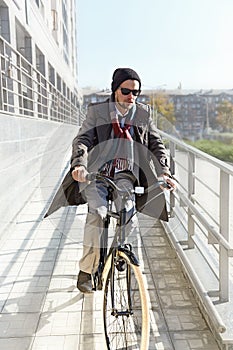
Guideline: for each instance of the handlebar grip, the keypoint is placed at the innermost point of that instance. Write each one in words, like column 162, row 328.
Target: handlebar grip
column 91, row 176
column 165, row 184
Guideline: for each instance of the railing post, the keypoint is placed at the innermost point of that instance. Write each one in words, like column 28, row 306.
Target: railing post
column 172, row 148
column 224, row 213
column 1, row 83
column 191, row 190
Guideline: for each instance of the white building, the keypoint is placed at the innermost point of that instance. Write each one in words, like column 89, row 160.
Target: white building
column 38, row 47
column 39, row 98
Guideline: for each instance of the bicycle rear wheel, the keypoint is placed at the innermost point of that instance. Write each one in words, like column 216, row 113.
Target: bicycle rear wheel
column 125, row 309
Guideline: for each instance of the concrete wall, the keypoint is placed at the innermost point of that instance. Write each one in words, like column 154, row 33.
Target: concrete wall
column 29, row 150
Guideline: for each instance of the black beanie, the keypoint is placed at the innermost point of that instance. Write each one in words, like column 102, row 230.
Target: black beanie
column 122, row 74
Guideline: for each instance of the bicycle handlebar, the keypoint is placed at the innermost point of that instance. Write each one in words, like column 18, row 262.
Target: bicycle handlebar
column 111, row 183
column 106, row 179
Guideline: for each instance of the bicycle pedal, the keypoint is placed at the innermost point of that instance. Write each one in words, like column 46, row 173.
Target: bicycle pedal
column 121, row 265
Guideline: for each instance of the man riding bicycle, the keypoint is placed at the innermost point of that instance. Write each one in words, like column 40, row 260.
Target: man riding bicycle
column 119, row 139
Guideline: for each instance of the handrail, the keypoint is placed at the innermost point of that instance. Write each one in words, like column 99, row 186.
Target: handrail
column 25, row 91
column 216, row 319
column 211, row 230
column 194, row 215
column 222, row 165
column 202, row 229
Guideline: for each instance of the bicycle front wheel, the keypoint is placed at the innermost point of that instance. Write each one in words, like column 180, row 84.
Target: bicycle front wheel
column 125, row 309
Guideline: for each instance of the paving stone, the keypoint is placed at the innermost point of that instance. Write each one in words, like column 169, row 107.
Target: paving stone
column 10, row 269
column 3, row 298
column 67, row 268
column 63, row 283
column 195, row 340
column 31, row 284
column 161, row 253
column 93, row 302
column 184, row 319
column 18, row 324
column 165, row 265
column 43, row 268
column 151, row 232
column 157, row 321
column 176, row 298
column 63, row 302
column 22, row 343
column 17, row 244
column 160, row 341
column 59, row 323
column 69, row 254
column 6, row 284
column 41, row 254
column 46, row 234
column 156, row 241
column 169, row 280
column 66, row 342
column 92, row 322
column 24, row 302
column 10, row 256
column 92, row 342
column 153, row 299
column 49, row 243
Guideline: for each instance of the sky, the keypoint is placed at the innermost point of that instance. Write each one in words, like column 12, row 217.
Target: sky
column 168, row 42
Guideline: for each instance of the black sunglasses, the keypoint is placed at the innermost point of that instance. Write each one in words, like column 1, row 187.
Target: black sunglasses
column 126, row 91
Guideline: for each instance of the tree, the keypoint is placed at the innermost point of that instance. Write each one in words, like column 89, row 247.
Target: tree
column 163, row 110
column 225, row 115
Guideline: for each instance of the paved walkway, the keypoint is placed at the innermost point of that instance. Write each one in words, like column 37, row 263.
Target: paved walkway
column 41, row 309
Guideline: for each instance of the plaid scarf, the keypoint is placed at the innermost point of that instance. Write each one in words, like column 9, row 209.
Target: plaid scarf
column 122, row 152
column 121, row 132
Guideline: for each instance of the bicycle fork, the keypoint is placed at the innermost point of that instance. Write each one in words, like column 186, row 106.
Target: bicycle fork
column 120, row 266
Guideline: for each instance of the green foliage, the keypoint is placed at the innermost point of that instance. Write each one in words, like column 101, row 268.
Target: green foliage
column 162, row 106
column 224, row 137
column 215, row 148
column 225, row 115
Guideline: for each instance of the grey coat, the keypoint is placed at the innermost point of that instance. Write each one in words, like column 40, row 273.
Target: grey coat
column 92, row 146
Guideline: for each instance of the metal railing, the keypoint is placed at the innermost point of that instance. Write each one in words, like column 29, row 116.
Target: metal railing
column 25, row 91
column 202, row 209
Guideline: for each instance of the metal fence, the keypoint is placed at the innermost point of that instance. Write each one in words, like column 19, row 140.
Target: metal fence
column 25, row 91
column 202, row 209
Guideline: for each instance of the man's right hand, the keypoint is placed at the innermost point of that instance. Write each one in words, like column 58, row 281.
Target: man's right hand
column 79, row 173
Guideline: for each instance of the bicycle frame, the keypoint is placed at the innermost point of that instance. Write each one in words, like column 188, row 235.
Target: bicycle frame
column 118, row 240
column 125, row 303
column 119, row 237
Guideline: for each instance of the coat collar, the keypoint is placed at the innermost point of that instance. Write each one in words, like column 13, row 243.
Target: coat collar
column 103, row 109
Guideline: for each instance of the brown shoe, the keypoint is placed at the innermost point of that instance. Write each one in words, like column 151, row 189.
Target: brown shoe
column 84, row 283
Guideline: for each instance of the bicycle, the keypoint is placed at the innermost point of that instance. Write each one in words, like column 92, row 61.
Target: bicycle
column 125, row 304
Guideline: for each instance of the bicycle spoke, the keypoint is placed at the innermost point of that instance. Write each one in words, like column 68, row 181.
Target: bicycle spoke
column 123, row 325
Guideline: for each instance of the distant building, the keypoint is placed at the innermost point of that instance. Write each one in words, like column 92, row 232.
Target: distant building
column 195, row 110
column 91, row 95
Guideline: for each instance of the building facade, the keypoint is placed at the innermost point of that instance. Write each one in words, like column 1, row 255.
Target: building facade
column 195, row 110
column 38, row 47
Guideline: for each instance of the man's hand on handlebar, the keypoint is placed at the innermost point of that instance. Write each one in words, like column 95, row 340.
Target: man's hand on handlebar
column 170, row 183
column 79, row 173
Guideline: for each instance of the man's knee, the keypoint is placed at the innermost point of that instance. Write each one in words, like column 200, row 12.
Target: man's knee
column 99, row 213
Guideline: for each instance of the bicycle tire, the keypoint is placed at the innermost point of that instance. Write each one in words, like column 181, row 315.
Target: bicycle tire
column 125, row 331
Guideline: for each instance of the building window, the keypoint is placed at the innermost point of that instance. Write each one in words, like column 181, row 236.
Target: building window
column 40, row 61
column 54, row 20
column 58, row 82
column 51, row 74
column 40, row 6
column 65, row 32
